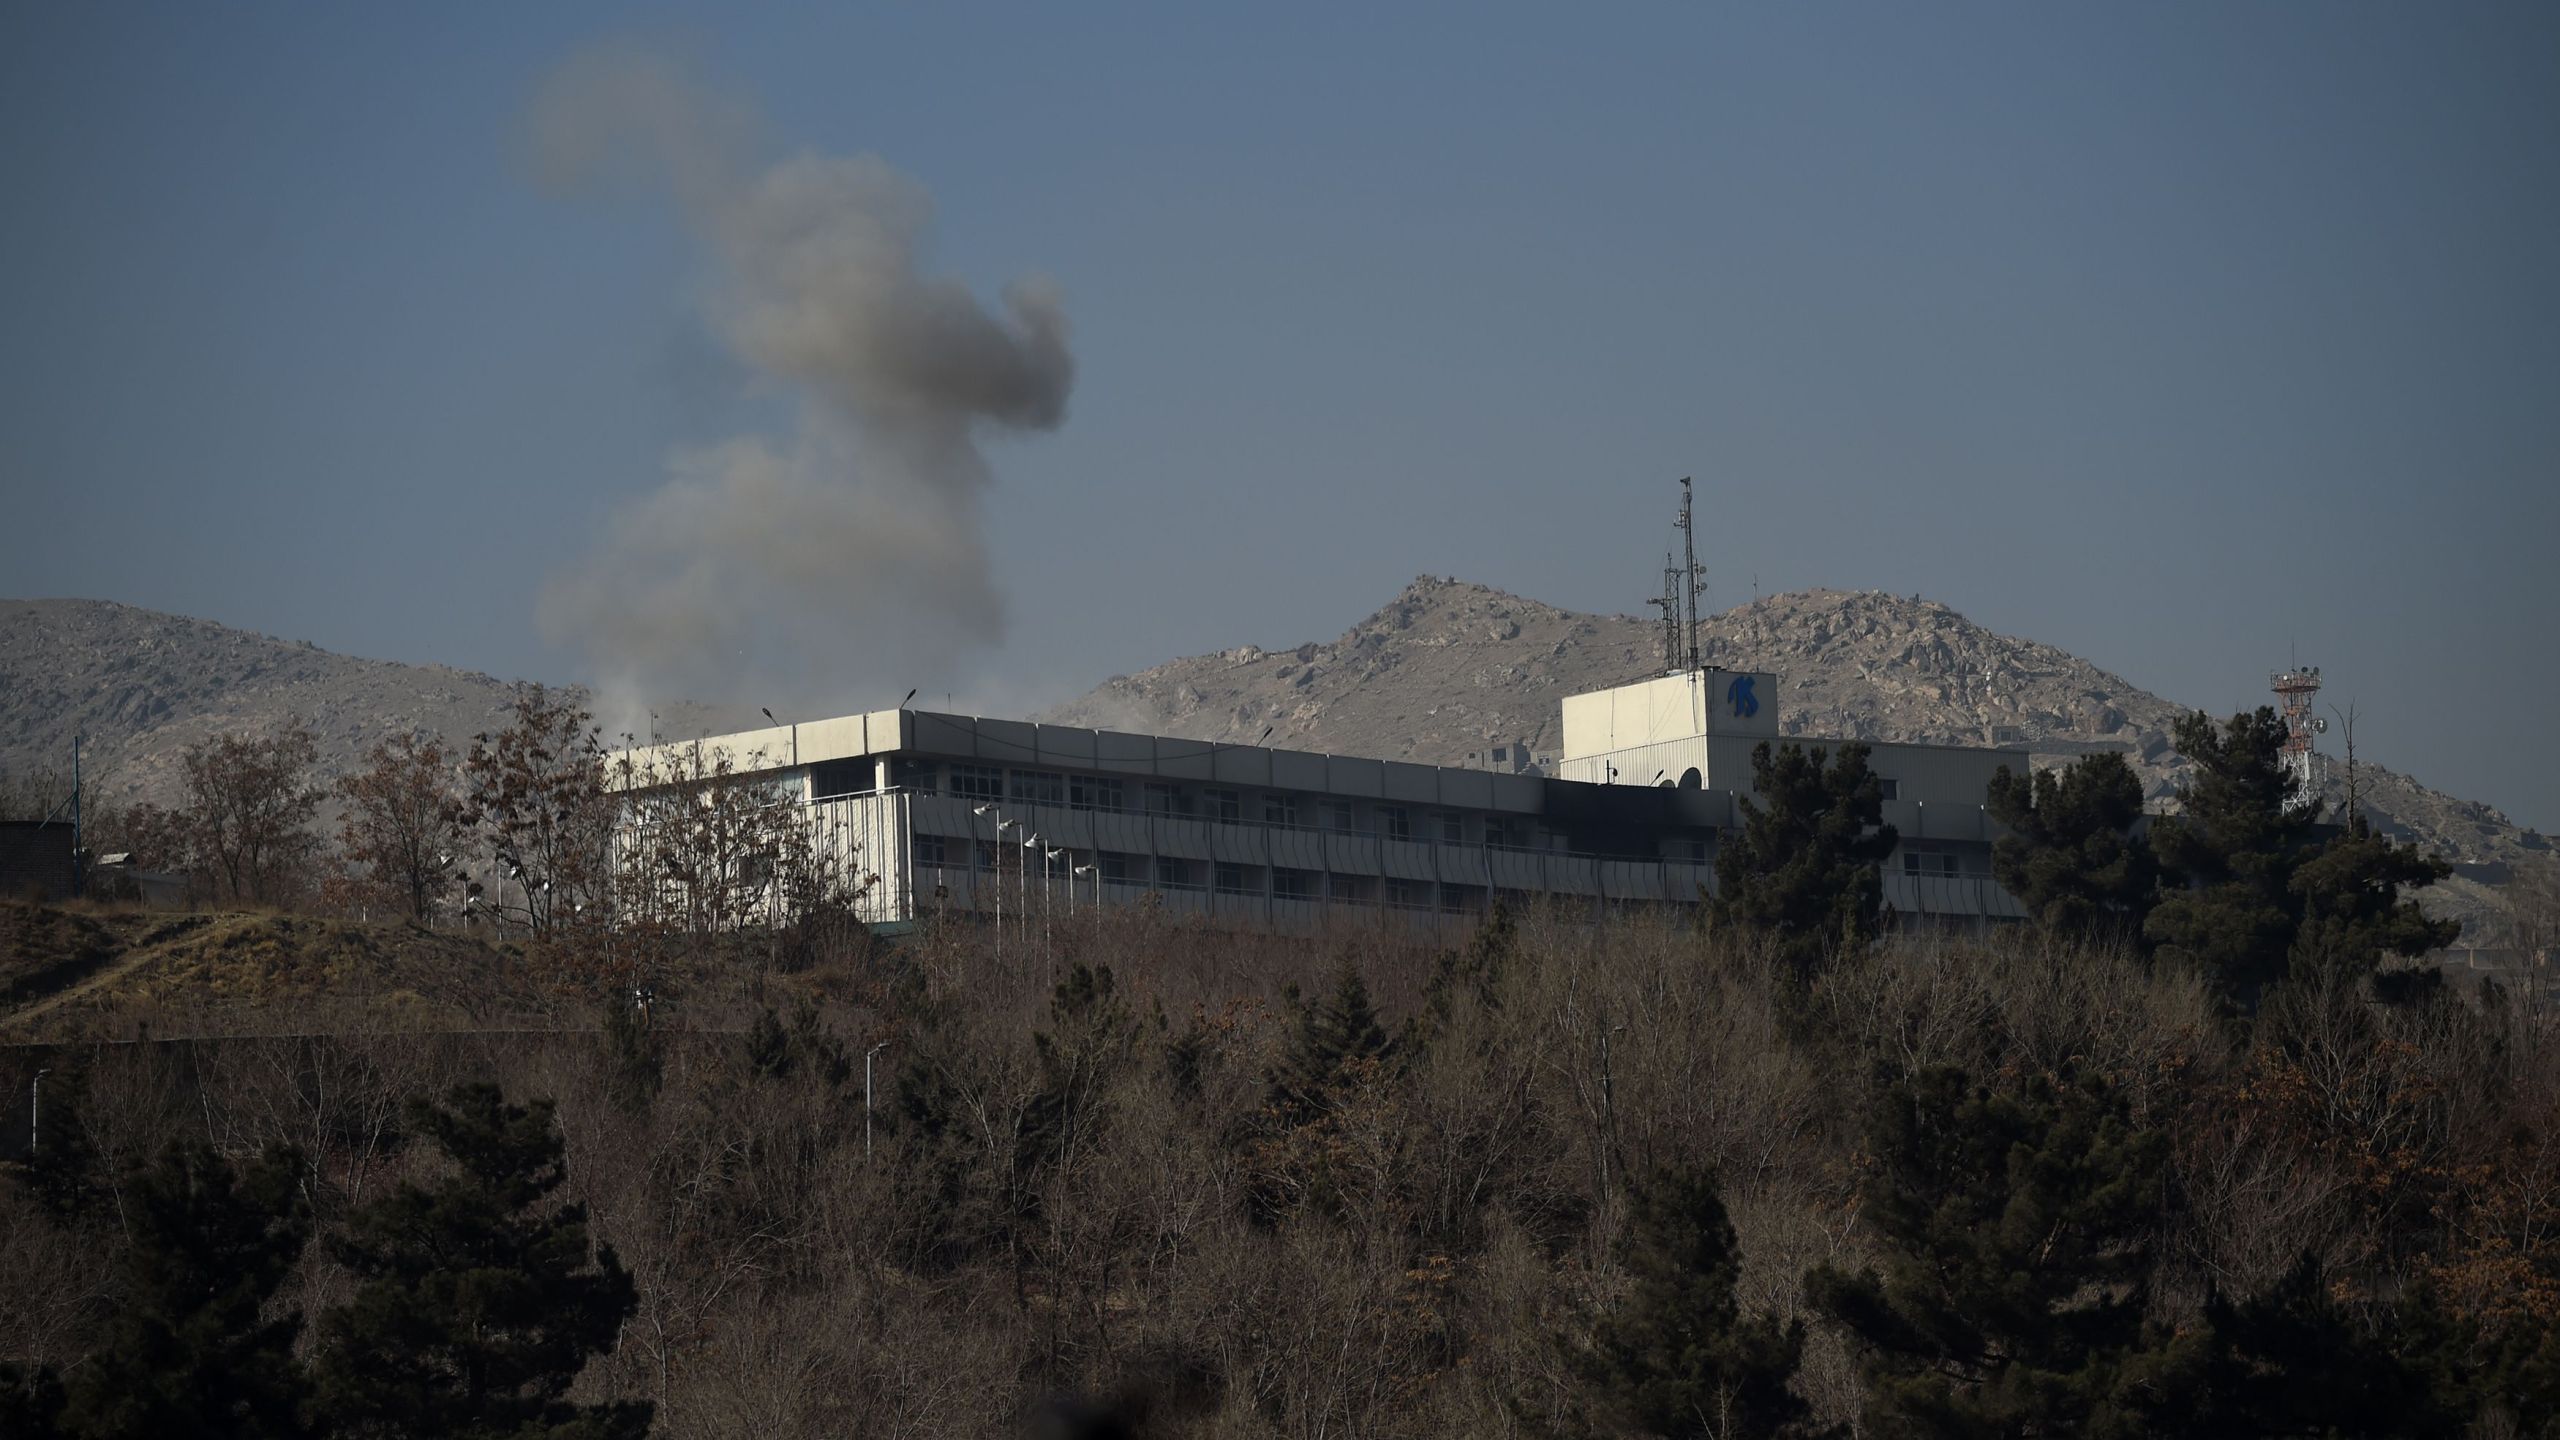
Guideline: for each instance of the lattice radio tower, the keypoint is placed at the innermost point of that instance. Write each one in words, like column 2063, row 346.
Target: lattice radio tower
column 1668, row 602
column 1695, row 579
column 1683, row 581
column 2294, row 688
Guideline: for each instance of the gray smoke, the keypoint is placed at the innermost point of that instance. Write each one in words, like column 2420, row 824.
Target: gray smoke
column 849, row 557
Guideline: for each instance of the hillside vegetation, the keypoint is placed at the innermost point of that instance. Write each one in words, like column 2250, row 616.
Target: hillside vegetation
column 1186, row 1184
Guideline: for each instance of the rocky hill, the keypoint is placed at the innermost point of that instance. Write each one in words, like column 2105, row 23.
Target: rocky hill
column 1445, row 669
column 144, row 685
column 1448, row 668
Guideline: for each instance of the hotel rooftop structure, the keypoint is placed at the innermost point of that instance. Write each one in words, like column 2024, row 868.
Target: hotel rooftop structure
column 957, row 815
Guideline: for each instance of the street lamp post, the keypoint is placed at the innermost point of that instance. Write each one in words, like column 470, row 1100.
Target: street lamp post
column 1047, row 885
column 35, row 1110
column 1031, row 842
column 1094, row 870
column 996, row 873
column 866, row 1096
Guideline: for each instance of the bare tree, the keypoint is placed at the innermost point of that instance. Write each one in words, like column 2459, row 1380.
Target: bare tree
column 2347, row 722
column 402, row 825
column 534, row 793
column 704, row 850
column 2533, row 910
column 249, row 805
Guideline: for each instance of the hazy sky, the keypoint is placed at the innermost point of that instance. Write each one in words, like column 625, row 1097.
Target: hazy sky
column 2190, row 338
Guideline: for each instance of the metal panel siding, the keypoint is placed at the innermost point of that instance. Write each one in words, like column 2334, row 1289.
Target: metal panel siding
column 1521, row 794
column 1128, row 754
column 1183, row 759
column 944, row 735
column 1518, row 870
column 1408, row 860
column 1409, row 782
column 1297, row 770
column 1237, row 844
column 1467, row 789
column 1350, row 854
column 1297, row 849
column 1113, row 830
column 1008, row 742
column 1066, row 745
column 1060, row 826
column 1573, row 874
column 945, row 815
column 1188, row 839
column 1465, row 865
column 1349, row 775
column 1631, row 880
column 1242, row 765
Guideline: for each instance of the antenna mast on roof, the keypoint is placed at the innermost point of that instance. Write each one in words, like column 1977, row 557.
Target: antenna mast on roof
column 1668, row 602
column 1697, row 579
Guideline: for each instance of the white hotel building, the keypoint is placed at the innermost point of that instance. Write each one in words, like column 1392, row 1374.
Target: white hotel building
column 945, row 811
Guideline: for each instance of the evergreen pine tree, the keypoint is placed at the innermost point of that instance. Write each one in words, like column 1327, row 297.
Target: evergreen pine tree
column 2242, row 830
column 1803, row 867
column 1679, row 1359
column 2072, row 857
column 2352, row 913
column 1331, row 1033
column 191, row 1351
column 2014, row 1232
column 2293, row 1362
column 474, row 1309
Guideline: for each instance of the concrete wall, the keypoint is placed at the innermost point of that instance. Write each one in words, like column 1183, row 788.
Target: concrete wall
column 1668, row 708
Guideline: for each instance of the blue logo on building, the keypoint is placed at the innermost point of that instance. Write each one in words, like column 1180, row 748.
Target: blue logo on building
column 1739, row 696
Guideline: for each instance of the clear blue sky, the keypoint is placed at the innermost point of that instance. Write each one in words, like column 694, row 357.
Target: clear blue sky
column 2189, row 337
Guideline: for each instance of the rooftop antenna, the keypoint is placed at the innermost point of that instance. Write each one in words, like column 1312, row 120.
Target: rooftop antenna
column 1668, row 602
column 2294, row 686
column 1697, row 579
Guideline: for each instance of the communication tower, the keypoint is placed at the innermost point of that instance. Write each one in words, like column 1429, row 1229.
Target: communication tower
column 1695, row 579
column 1668, row 602
column 2294, row 688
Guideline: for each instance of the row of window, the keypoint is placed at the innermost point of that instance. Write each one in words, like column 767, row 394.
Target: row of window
column 1919, row 859
column 996, row 784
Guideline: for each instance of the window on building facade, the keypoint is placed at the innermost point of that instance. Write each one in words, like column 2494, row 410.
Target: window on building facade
column 977, row 782
column 1892, row 788
column 1279, row 809
column 856, row 777
column 1937, row 863
column 1453, row 828
column 1350, row 889
column 1173, row 872
column 1039, row 787
column 1338, row 815
column 1234, row 880
column 1225, row 805
column 932, row 850
column 1117, row 867
column 1293, row 884
column 1395, row 822
column 1409, row 894
column 1094, row 792
column 1167, row 798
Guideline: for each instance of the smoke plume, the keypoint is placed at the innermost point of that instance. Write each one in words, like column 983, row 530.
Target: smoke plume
column 850, row 556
